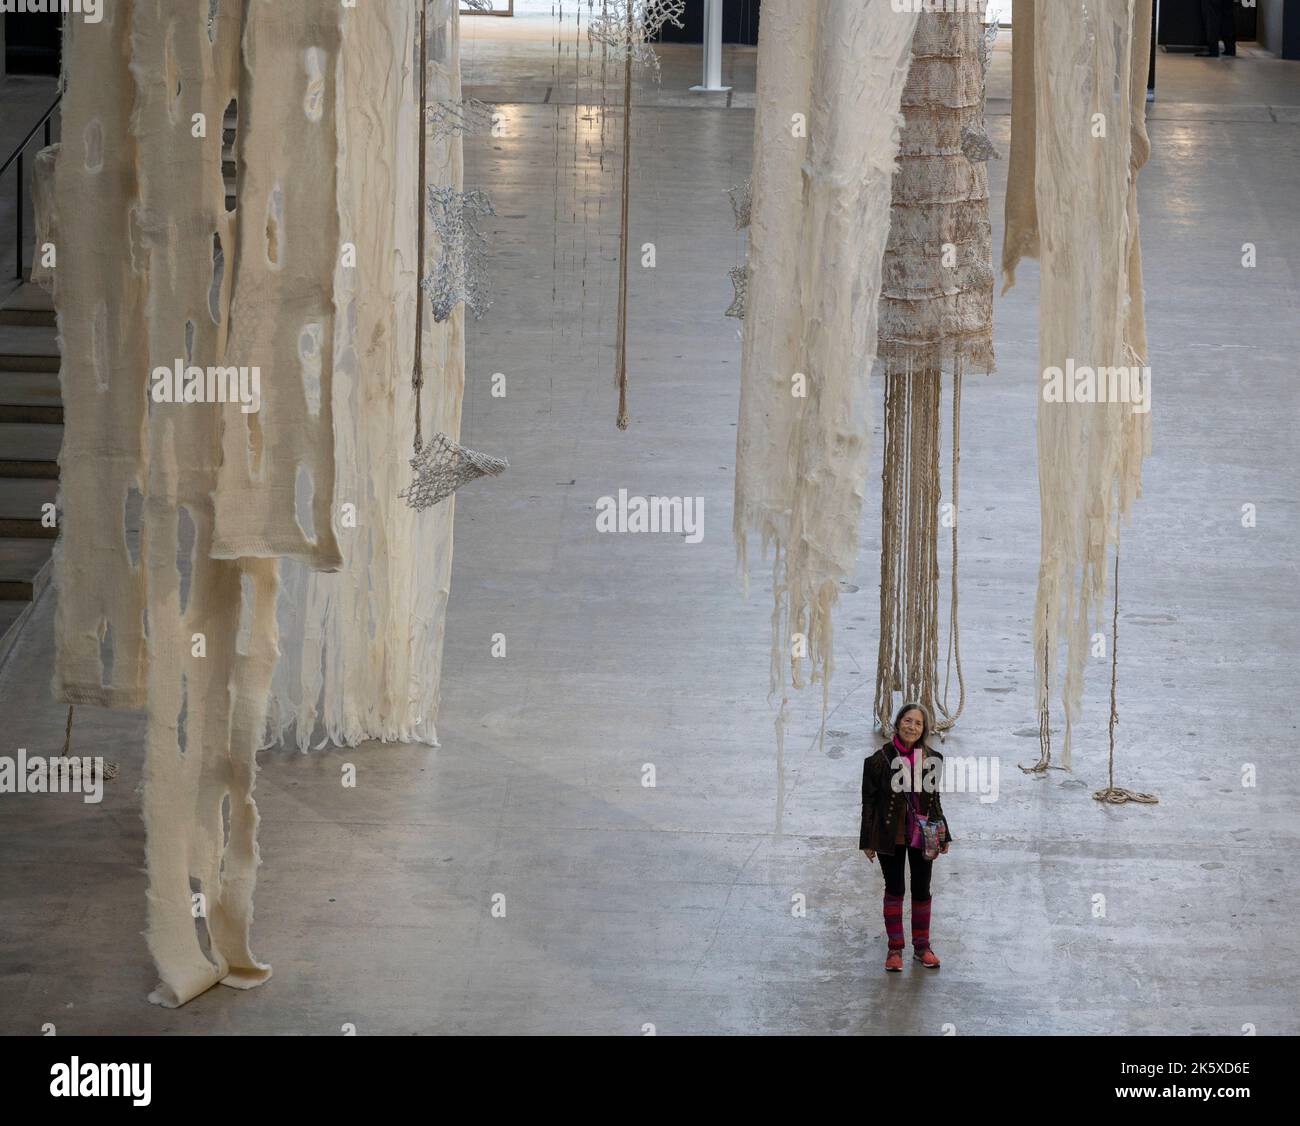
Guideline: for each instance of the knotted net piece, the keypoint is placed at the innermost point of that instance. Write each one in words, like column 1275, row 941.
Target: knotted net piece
column 739, row 281
column 460, row 117
column 629, row 26
column 461, row 271
column 442, row 466
column 742, row 203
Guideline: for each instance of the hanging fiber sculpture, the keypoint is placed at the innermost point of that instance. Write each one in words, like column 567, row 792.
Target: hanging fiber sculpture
column 1078, row 141
column 188, row 630
column 936, row 314
column 336, row 683
column 819, row 226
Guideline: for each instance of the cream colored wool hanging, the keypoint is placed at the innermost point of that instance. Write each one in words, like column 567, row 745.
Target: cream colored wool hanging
column 136, row 197
column 830, row 76
column 85, row 188
column 361, row 649
column 1086, row 92
column 936, row 314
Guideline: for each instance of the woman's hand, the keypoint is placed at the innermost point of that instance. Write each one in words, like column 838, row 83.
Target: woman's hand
column 946, row 846
column 871, row 854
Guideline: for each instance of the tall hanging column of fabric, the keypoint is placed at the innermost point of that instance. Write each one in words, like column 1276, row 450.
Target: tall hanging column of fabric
column 198, row 371
column 1078, row 123
column 936, row 314
column 362, row 648
column 830, row 76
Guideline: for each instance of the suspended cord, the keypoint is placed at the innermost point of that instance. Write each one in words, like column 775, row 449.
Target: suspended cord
column 110, row 768
column 908, row 657
column 954, row 640
column 1044, row 720
column 621, row 344
column 1117, row 795
column 417, row 376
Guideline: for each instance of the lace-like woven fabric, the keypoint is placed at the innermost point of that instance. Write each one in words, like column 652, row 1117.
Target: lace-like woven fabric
column 739, row 280
column 442, row 467
column 612, row 26
column 460, row 274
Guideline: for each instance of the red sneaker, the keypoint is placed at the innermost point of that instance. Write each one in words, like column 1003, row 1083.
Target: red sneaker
column 928, row 958
column 894, row 963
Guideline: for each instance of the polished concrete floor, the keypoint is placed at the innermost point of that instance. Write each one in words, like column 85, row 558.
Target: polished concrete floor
column 671, row 906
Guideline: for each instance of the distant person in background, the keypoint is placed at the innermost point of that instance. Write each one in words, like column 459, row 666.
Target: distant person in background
column 1220, row 23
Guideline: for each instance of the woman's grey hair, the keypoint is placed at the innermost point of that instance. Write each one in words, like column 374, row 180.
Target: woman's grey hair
column 912, row 705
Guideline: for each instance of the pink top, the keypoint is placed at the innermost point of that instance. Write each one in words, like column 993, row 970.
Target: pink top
column 912, row 831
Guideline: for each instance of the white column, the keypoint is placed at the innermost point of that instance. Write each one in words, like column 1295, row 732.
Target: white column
column 712, row 48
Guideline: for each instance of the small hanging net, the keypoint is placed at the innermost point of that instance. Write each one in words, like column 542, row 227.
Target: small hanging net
column 460, row 117
column 460, row 274
column 630, row 25
column 742, row 203
column 442, row 466
column 739, row 281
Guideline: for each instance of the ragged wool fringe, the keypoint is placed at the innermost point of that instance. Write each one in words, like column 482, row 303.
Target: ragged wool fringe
column 819, row 224
column 1078, row 123
column 936, row 313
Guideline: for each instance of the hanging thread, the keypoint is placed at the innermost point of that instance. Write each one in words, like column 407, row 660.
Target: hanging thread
column 417, row 376
column 621, row 344
column 1112, row 794
column 1044, row 720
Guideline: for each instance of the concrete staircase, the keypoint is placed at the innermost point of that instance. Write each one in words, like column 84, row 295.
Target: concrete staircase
column 31, row 432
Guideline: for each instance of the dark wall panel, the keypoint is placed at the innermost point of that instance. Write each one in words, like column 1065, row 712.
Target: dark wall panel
column 739, row 23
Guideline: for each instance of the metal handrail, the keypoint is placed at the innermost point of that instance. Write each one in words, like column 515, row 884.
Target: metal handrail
column 17, row 155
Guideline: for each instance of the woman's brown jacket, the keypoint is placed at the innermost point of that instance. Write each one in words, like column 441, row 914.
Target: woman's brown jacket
column 883, row 809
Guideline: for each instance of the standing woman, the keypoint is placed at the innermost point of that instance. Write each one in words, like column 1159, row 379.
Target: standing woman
column 894, row 822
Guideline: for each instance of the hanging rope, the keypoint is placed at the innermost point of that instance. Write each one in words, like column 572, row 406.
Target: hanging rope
column 907, row 662
column 935, row 315
column 1044, row 722
column 954, row 639
column 621, row 344
column 417, row 375
column 110, row 768
column 1117, row 795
